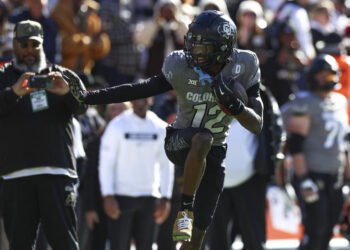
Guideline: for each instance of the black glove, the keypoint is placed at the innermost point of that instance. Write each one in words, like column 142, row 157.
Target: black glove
column 76, row 86
column 229, row 103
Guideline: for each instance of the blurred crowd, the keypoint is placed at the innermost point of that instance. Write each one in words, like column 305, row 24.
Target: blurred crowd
column 113, row 42
column 110, row 42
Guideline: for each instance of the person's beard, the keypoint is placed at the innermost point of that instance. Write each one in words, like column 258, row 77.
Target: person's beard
column 36, row 67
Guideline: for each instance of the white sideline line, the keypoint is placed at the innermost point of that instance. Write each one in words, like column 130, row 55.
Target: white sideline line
column 293, row 244
column 336, row 244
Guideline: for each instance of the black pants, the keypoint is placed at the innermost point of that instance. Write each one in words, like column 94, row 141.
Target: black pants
column 45, row 199
column 320, row 217
column 177, row 146
column 98, row 235
column 136, row 222
column 244, row 205
column 164, row 239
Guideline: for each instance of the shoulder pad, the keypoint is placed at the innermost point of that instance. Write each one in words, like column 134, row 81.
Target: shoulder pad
column 173, row 64
column 300, row 106
column 246, row 57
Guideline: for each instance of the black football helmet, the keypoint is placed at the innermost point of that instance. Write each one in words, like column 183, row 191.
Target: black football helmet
column 215, row 34
column 323, row 62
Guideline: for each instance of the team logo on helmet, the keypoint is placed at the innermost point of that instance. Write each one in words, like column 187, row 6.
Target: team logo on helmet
column 226, row 30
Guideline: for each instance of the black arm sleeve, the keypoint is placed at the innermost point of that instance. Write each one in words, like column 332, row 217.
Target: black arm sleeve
column 75, row 107
column 295, row 143
column 129, row 91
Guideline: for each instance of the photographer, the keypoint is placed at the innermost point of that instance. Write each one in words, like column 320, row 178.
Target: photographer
column 36, row 131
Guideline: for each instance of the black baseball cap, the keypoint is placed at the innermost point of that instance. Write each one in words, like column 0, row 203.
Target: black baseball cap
column 28, row 30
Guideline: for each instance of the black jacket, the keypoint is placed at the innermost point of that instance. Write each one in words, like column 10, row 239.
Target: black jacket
column 32, row 139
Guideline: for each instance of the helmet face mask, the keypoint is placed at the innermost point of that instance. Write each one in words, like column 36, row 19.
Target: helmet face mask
column 200, row 53
column 323, row 73
column 210, row 40
column 325, row 80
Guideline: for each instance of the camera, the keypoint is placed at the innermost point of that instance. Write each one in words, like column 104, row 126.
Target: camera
column 40, row 82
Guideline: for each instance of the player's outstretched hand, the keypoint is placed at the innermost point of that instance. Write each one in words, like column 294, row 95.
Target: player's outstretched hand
column 225, row 97
column 76, row 86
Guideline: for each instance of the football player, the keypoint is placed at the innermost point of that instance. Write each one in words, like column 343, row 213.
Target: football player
column 196, row 140
column 317, row 123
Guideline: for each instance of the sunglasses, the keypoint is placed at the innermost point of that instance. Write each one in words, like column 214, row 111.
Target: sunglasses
column 33, row 44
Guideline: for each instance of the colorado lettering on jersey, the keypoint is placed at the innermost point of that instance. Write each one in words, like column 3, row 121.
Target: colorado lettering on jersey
column 196, row 97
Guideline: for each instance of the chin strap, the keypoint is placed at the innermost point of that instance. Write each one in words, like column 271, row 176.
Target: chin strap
column 204, row 78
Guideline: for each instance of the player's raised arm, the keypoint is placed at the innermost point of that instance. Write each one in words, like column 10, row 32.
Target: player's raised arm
column 121, row 93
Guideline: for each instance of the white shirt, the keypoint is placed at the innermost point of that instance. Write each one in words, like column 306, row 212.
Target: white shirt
column 241, row 149
column 273, row 4
column 132, row 158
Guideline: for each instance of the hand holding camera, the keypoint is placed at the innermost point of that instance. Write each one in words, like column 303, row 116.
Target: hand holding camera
column 20, row 88
column 60, row 86
column 52, row 82
column 40, row 82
